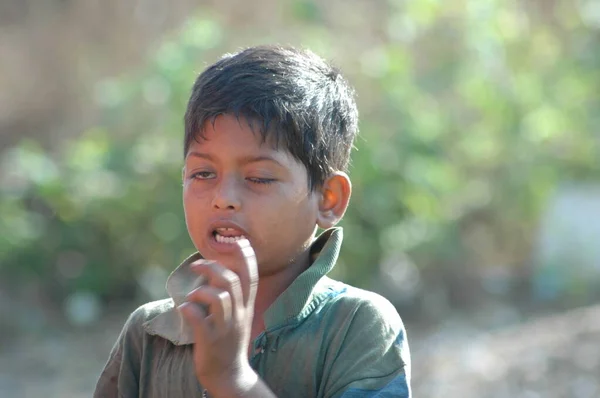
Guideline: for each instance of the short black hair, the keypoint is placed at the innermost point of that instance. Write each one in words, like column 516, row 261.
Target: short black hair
column 301, row 103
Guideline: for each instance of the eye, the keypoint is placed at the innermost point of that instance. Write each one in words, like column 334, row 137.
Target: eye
column 256, row 180
column 203, row 175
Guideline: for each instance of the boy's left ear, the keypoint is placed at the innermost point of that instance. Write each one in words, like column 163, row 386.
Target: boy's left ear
column 334, row 197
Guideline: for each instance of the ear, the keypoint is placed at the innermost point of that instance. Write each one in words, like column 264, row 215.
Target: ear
column 334, row 197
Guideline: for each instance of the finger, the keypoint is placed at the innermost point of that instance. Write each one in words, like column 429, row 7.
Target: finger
column 223, row 278
column 218, row 302
column 195, row 316
column 248, row 271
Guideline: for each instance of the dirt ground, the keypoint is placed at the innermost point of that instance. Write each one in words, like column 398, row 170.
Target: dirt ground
column 552, row 356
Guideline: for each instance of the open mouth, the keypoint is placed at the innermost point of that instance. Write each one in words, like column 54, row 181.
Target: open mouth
column 227, row 235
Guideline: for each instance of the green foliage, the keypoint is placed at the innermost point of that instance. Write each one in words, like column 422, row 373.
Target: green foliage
column 471, row 113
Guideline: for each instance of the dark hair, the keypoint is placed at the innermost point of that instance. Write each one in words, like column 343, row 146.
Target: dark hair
column 300, row 102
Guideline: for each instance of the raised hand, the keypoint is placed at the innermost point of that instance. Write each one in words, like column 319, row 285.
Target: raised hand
column 220, row 313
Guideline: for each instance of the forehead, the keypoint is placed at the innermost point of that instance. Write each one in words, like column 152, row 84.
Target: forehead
column 229, row 135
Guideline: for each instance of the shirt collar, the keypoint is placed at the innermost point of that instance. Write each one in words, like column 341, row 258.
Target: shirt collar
column 298, row 300
column 294, row 304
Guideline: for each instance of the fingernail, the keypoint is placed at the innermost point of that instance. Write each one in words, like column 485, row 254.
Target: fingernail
column 182, row 307
column 199, row 263
column 243, row 243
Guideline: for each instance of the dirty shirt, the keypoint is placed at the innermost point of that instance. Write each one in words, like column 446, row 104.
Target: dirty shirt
column 322, row 339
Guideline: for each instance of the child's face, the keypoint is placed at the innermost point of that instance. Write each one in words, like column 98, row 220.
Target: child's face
column 234, row 185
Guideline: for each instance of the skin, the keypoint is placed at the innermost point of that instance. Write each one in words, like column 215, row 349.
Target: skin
column 231, row 178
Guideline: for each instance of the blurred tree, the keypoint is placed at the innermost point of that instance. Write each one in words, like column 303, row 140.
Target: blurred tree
column 471, row 113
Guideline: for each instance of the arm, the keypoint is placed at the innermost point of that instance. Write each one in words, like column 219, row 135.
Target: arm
column 120, row 374
column 107, row 385
column 370, row 356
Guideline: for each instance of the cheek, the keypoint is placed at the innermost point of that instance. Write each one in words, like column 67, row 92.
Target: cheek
column 193, row 196
column 302, row 211
column 193, row 205
column 188, row 205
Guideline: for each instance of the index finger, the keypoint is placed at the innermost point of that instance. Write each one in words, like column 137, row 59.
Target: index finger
column 247, row 271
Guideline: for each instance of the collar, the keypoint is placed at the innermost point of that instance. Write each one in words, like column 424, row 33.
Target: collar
column 293, row 305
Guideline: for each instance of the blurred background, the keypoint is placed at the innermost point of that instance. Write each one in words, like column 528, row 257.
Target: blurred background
column 476, row 205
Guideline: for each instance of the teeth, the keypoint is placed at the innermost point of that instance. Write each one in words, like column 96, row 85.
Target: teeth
column 228, row 239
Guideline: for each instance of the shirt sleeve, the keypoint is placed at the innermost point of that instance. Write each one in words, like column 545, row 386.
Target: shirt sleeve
column 371, row 358
column 120, row 376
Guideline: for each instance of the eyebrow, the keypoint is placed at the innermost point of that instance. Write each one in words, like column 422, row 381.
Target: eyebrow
column 243, row 160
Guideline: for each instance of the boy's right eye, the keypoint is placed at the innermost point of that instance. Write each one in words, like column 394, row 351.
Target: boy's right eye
column 203, row 175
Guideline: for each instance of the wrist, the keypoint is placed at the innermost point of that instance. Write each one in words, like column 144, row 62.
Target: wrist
column 236, row 382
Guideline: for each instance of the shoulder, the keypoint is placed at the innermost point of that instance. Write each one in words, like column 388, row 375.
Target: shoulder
column 146, row 313
column 367, row 347
column 125, row 357
column 360, row 316
column 359, row 304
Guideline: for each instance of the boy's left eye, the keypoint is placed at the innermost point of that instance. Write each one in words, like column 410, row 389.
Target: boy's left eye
column 257, row 180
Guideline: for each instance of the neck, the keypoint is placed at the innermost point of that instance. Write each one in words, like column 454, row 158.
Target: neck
column 272, row 285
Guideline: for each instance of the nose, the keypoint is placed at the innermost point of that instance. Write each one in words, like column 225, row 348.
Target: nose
column 227, row 195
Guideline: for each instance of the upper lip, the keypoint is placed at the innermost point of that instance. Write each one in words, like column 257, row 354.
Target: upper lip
column 226, row 224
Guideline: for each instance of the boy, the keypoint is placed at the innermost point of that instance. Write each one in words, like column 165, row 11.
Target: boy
column 268, row 134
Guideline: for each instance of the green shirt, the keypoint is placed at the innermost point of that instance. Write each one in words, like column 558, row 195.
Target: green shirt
column 322, row 338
